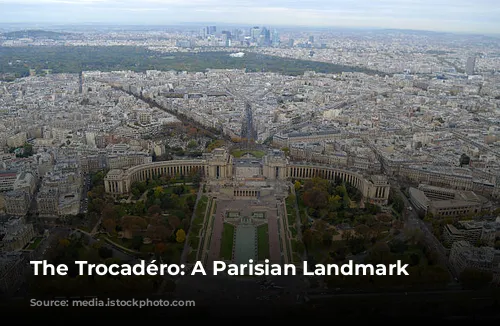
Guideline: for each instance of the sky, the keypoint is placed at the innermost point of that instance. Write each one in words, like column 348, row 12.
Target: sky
column 476, row 16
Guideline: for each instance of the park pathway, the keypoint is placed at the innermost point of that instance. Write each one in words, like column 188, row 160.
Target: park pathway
column 185, row 251
column 214, row 231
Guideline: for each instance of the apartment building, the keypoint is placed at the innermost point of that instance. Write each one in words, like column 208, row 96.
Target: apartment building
column 464, row 255
column 446, row 202
column 17, row 140
column 12, row 269
column 7, row 179
column 472, row 232
column 47, row 201
column 17, row 202
column 15, row 234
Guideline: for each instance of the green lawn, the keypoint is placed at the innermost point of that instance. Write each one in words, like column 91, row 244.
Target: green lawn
column 226, row 246
column 199, row 218
column 240, row 152
column 200, row 209
column 195, row 242
column 290, row 210
column 297, row 247
column 262, row 242
column 34, row 245
column 192, row 256
column 291, row 217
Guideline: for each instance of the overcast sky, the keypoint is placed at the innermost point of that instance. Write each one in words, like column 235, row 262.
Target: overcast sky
column 440, row 15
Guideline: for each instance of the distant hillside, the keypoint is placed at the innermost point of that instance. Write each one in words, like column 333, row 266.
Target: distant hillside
column 39, row 34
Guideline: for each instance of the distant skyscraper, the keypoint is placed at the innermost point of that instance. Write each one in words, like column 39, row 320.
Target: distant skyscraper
column 311, row 39
column 203, row 32
column 211, row 30
column 471, row 65
column 276, row 38
column 226, row 35
column 254, row 33
column 236, row 35
column 265, row 37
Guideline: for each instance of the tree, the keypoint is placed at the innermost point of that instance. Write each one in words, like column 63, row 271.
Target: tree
column 380, row 253
column 27, row 150
column 307, row 238
column 154, row 210
column 347, row 235
column 334, row 202
column 180, row 236
column 429, row 217
column 196, row 179
column 315, row 198
column 384, row 217
column 96, row 204
column 159, row 232
column 133, row 223
column 158, row 192
column 362, row 230
column 160, row 248
column 109, row 224
column 320, row 226
column 297, row 185
column 136, row 192
column 191, row 201
column 398, row 204
column 138, row 208
column 109, row 211
column 64, row 243
column 174, row 222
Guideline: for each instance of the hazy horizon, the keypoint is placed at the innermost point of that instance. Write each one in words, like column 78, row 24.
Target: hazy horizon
column 463, row 16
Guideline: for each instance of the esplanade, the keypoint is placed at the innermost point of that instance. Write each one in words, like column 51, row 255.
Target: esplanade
column 222, row 168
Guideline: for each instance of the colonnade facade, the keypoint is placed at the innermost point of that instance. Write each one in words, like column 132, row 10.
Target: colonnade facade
column 246, row 193
column 375, row 189
column 120, row 181
column 308, row 172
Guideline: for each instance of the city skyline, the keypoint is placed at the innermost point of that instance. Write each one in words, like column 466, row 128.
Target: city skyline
column 450, row 16
column 140, row 145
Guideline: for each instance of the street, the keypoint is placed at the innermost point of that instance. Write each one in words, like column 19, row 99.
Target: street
column 84, row 201
column 412, row 221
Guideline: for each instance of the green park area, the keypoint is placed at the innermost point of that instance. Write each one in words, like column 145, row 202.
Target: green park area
column 153, row 220
column 17, row 61
column 297, row 247
column 242, row 152
column 263, row 242
column 335, row 230
column 291, row 215
column 197, row 225
column 227, row 242
column 34, row 243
